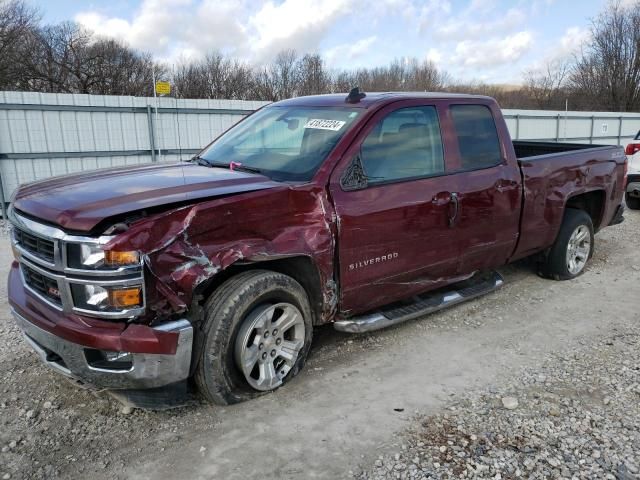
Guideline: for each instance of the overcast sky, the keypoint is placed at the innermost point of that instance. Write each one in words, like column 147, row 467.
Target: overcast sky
column 489, row 40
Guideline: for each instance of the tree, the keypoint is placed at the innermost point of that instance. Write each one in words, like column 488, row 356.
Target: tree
column 279, row 79
column 546, row 86
column 17, row 21
column 68, row 58
column 216, row 76
column 312, row 77
column 607, row 72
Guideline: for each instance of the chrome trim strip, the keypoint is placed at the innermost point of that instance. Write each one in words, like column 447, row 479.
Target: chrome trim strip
column 64, row 287
column 44, row 231
column 60, row 241
column 377, row 320
column 65, row 276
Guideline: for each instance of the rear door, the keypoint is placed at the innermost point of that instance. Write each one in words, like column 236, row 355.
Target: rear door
column 486, row 178
column 394, row 236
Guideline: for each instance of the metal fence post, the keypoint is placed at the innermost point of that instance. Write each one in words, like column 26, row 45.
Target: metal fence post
column 4, row 205
column 517, row 126
column 593, row 122
column 558, row 128
column 620, row 130
column 152, row 140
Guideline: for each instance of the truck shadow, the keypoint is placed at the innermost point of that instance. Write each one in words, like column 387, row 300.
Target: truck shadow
column 326, row 338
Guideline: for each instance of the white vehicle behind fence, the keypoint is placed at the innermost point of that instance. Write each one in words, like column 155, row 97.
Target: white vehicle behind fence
column 632, row 196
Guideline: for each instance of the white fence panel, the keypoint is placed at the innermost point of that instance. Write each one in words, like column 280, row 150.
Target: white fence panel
column 47, row 134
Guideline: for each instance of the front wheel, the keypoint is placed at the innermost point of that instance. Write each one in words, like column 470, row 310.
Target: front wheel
column 257, row 334
column 572, row 249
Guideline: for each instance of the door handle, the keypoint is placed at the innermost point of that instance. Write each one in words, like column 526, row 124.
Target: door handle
column 441, row 199
column 454, row 204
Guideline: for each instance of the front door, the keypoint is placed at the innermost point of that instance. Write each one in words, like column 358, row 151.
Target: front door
column 395, row 237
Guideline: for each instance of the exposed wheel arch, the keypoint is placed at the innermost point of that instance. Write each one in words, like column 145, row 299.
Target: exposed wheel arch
column 301, row 268
column 592, row 202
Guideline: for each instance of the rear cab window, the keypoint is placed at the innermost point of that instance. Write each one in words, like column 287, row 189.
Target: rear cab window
column 477, row 136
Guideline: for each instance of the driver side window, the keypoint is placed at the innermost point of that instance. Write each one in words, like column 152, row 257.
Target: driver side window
column 405, row 144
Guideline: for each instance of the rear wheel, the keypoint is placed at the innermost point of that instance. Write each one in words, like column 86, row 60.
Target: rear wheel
column 257, row 334
column 573, row 248
column 632, row 202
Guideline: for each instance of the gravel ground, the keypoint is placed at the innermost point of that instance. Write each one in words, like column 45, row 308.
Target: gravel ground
column 537, row 380
column 577, row 416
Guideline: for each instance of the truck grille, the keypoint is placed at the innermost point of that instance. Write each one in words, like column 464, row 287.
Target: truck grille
column 42, row 284
column 35, row 245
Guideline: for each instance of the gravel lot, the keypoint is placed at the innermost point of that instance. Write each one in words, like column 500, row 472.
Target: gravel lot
column 541, row 379
column 576, row 416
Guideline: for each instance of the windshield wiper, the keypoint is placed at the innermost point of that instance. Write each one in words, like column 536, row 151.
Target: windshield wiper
column 231, row 165
column 201, row 161
column 244, row 168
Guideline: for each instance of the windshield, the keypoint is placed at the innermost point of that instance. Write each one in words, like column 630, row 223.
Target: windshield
column 284, row 143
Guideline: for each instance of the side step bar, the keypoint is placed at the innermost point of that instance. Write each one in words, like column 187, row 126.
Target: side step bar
column 423, row 304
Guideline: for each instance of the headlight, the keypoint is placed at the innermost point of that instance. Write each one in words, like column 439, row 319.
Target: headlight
column 106, row 299
column 89, row 256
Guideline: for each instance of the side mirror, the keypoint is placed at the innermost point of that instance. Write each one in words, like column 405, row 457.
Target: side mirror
column 354, row 177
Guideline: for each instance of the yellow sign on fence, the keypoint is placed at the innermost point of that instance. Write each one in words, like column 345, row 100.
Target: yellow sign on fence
column 163, row 88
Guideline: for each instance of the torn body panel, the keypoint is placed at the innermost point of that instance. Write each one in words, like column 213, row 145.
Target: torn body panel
column 550, row 184
column 187, row 246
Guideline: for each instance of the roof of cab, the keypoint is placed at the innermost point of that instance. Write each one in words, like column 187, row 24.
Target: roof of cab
column 372, row 98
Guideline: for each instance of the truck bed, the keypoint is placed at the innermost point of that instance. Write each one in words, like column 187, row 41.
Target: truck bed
column 528, row 148
column 554, row 172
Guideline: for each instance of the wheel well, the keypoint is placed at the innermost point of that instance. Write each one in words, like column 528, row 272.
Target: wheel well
column 590, row 202
column 301, row 268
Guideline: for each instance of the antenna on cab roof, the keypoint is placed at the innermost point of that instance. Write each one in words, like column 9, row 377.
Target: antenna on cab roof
column 355, row 95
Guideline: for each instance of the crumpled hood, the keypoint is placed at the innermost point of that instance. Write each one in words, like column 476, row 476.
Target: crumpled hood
column 79, row 202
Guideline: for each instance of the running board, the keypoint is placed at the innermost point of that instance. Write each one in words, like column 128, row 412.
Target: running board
column 422, row 304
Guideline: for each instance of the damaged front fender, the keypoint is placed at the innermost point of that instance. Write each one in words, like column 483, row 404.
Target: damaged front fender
column 187, row 246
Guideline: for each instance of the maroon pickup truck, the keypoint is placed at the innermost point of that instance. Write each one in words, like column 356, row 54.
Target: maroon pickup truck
column 362, row 211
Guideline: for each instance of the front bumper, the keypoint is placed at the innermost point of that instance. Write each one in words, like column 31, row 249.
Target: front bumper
column 155, row 356
column 147, row 370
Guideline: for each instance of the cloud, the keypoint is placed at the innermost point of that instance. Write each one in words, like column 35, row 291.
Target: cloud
column 434, row 55
column 298, row 24
column 349, row 51
column 572, row 40
column 469, row 39
column 171, row 28
column 257, row 30
column 457, row 28
column 492, row 52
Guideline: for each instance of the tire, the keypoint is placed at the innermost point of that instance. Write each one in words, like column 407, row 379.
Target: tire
column 252, row 298
column 557, row 265
column 632, row 202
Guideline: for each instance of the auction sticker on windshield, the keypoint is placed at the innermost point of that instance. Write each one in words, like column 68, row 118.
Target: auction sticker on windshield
column 321, row 124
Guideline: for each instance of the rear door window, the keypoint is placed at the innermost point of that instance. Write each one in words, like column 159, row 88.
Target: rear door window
column 477, row 136
column 404, row 144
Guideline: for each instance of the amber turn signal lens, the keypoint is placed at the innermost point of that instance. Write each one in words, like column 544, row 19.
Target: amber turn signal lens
column 125, row 297
column 121, row 258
